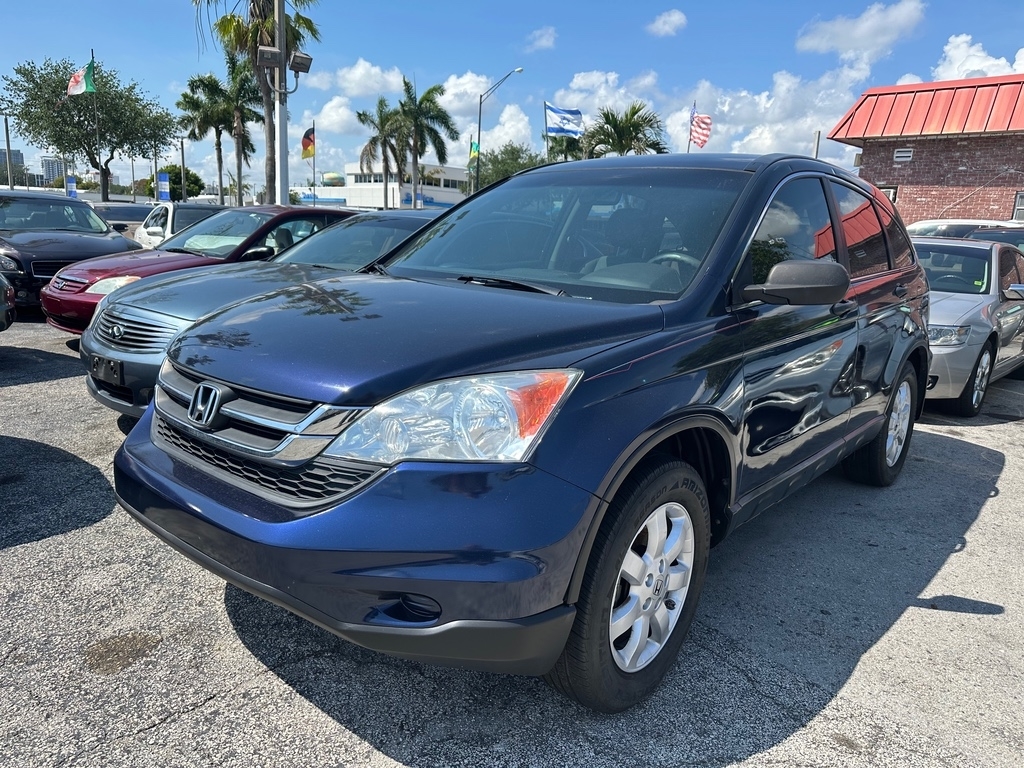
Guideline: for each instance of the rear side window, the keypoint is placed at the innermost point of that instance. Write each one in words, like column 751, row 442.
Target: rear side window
column 899, row 243
column 796, row 225
column 862, row 229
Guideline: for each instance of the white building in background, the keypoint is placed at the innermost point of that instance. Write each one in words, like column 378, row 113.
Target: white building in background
column 53, row 168
column 93, row 175
column 440, row 187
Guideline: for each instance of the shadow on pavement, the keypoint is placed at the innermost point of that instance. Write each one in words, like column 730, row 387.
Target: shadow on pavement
column 24, row 365
column 45, row 491
column 792, row 602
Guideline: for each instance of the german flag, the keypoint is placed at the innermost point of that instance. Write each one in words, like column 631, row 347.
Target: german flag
column 308, row 144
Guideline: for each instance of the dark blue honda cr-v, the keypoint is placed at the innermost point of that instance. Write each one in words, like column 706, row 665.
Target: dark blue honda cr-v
column 510, row 444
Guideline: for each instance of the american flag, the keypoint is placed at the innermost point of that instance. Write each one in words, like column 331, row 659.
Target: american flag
column 700, row 127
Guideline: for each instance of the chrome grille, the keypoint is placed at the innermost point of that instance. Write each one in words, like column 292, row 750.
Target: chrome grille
column 315, row 484
column 135, row 330
column 267, row 444
column 48, row 268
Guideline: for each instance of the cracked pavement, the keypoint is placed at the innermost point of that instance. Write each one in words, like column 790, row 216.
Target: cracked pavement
column 848, row 626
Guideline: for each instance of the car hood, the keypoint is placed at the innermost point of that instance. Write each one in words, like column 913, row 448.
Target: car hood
column 190, row 294
column 64, row 245
column 138, row 263
column 952, row 308
column 359, row 339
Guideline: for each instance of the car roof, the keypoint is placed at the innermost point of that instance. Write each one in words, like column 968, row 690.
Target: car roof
column 55, row 195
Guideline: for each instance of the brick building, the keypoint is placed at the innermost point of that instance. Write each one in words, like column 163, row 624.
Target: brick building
column 946, row 150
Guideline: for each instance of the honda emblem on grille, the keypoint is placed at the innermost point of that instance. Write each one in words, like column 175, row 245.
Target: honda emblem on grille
column 206, row 401
column 116, row 331
column 59, row 284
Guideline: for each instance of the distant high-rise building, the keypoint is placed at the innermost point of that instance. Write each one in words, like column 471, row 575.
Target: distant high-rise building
column 17, row 157
column 53, row 168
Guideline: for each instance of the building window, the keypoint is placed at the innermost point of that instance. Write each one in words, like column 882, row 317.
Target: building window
column 889, row 192
column 904, row 155
column 1018, row 207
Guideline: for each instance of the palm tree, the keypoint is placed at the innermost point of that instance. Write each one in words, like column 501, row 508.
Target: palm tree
column 204, row 108
column 638, row 130
column 426, row 123
column 244, row 34
column 242, row 97
column 565, row 148
column 387, row 139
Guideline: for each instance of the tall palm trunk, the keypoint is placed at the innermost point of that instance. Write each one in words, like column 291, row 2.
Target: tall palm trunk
column 219, row 149
column 270, row 135
column 238, row 134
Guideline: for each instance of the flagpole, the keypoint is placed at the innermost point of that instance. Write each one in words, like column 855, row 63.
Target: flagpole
column 96, row 114
column 547, row 147
column 689, row 139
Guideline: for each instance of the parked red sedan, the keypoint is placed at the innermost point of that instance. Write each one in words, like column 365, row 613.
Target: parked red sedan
column 234, row 234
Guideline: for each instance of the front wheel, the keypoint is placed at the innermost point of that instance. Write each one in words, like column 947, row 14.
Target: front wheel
column 640, row 590
column 970, row 400
column 880, row 461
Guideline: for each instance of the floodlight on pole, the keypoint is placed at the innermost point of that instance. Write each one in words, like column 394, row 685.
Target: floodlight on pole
column 480, row 117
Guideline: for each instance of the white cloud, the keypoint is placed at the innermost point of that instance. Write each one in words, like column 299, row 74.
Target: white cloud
column 591, row 91
column 462, row 95
column 667, row 23
column 321, row 80
column 541, row 39
column 513, row 126
column 961, row 57
column 366, row 79
column 336, row 116
column 866, row 38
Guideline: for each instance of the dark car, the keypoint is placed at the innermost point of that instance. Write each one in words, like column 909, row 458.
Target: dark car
column 1012, row 235
column 123, row 347
column 41, row 233
column 230, row 235
column 510, row 444
column 8, row 311
column 124, row 217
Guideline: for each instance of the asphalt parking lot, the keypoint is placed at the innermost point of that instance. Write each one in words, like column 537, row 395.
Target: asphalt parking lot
column 849, row 626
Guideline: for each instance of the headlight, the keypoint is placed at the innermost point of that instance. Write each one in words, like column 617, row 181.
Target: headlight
column 98, row 311
column 7, row 264
column 948, row 335
column 496, row 417
column 110, row 284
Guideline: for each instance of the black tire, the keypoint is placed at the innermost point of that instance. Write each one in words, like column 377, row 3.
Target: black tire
column 588, row 670
column 870, row 464
column 967, row 405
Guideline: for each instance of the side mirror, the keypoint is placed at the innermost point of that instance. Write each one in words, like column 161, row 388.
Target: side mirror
column 258, row 253
column 120, row 227
column 155, row 231
column 1014, row 293
column 802, row 281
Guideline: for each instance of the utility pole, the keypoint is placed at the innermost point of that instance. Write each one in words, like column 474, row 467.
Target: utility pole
column 281, row 92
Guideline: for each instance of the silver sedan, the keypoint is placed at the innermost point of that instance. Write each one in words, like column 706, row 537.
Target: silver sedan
column 976, row 320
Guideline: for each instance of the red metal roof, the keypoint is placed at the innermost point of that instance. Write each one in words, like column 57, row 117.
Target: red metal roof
column 944, row 108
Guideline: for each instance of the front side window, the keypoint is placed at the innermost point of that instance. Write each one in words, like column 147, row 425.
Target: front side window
column 796, row 225
column 627, row 235
column 158, row 218
column 1007, row 269
column 865, row 242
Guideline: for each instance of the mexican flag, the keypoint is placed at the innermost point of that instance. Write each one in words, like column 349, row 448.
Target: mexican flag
column 81, row 81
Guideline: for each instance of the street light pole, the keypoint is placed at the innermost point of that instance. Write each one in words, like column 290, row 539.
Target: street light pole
column 184, row 188
column 281, row 106
column 479, row 120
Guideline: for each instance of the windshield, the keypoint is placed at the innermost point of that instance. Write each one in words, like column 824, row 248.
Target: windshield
column 352, row 244
column 626, row 235
column 1013, row 237
column 956, row 269
column 27, row 213
column 218, row 235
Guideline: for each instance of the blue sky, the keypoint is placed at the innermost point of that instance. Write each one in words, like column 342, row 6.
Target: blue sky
column 769, row 74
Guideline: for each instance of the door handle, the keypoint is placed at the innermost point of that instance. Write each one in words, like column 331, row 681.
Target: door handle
column 901, row 291
column 844, row 307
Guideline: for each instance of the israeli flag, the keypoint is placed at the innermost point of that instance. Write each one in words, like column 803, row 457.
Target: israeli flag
column 563, row 122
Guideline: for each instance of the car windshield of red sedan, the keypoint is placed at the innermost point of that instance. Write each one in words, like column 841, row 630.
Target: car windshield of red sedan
column 632, row 236
column 29, row 213
column 218, row 235
column 956, row 269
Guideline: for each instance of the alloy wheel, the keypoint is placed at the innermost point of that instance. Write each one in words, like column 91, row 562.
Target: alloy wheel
column 981, row 378
column 899, row 424
column 654, row 577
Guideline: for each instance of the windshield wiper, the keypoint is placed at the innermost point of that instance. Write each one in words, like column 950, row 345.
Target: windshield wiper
column 516, row 285
column 374, row 268
column 180, row 250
